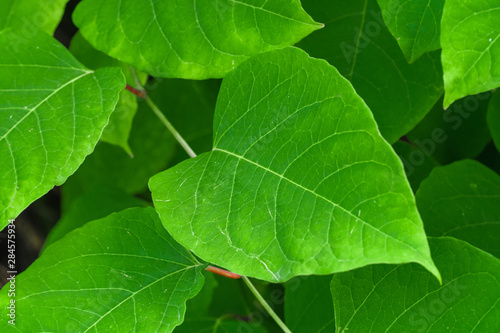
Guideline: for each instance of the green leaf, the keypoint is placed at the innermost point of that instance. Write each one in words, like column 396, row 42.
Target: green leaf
column 53, row 113
column 470, row 38
column 123, row 271
column 418, row 165
column 191, row 39
column 456, row 133
column 356, row 41
column 309, row 304
column 92, row 205
column 405, row 298
column 493, row 118
column 299, row 181
column 120, row 123
column 110, row 166
column 415, row 24
column 27, row 17
column 461, row 200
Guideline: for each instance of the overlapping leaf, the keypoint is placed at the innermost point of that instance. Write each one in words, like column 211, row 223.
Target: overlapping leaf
column 26, row 17
column 470, row 39
column 415, row 24
column 299, row 181
column 405, row 298
column 124, row 271
column 356, row 41
column 462, row 200
column 191, row 39
column 53, row 111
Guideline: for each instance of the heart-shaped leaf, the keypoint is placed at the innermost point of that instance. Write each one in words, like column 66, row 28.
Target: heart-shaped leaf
column 191, row 39
column 415, row 24
column 462, row 200
column 470, row 38
column 53, row 111
column 405, row 298
column 299, row 181
column 122, row 271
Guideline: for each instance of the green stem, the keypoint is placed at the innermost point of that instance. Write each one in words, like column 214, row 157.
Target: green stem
column 161, row 116
column 170, row 127
column 265, row 305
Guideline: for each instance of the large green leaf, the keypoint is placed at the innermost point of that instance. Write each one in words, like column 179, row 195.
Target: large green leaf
column 120, row 123
column 299, row 181
column 493, row 118
column 470, row 39
column 26, row 17
column 94, row 204
column 456, row 133
column 415, row 24
column 191, row 39
column 405, row 298
column 462, row 200
column 356, row 41
column 53, row 111
column 309, row 304
column 123, row 273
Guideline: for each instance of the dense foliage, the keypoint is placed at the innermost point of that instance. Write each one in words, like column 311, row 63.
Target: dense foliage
column 338, row 158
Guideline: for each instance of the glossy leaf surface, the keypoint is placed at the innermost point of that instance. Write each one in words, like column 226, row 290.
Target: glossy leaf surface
column 53, row 111
column 299, row 181
column 123, row 270
column 470, row 40
column 462, row 200
column 191, row 39
column 405, row 298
